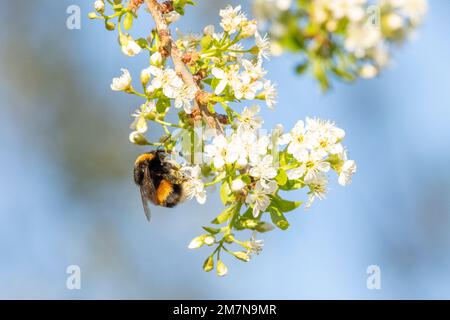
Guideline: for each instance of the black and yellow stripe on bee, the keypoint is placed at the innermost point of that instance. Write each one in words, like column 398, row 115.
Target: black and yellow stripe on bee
column 144, row 157
column 168, row 194
column 154, row 175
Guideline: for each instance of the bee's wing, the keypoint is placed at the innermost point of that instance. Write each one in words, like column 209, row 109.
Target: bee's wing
column 148, row 193
column 148, row 213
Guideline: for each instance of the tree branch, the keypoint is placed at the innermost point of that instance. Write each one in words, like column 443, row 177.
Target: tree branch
column 169, row 49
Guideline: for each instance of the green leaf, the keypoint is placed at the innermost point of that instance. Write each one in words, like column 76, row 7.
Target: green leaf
column 224, row 216
column 292, row 185
column 340, row 72
column 206, row 42
column 162, row 104
column 248, row 213
column 281, row 178
column 211, row 230
column 301, row 68
column 225, row 193
column 320, row 74
column 285, row 205
column 278, row 218
column 246, row 179
column 142, row 43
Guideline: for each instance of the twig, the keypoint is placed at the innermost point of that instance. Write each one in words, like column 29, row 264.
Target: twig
column 169, row 48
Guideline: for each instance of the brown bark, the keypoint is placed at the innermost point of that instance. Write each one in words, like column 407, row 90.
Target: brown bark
column 169, row 49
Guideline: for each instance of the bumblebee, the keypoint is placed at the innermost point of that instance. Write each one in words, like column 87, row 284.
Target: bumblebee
column 159, row 179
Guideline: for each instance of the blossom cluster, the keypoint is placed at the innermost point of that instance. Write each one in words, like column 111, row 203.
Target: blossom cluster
column 222, row 75
column 346, row 39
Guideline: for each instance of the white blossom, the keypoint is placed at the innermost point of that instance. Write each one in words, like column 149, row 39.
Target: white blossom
column 249, row 28
column 237, row 185
column 249, row 119
column 184, row 98
column 243, row 87
column 232, row 18
column 354, row 10
column 263, row 44
column 167, row 79
column 297, row 139
column 270, row 94
column 249, row 146
column 347, row 171
column 325, row 137
column 220, row 152
column 225, row 77
column 414, row 10
column 317, row 189
column 123, row 82
column 312, row 166
column 253, row 70
column 194, row 186
column 264, row 169
column 209, row 30
column 254, row 246
column 140, row 122
column 259, row 197
column 361, row 38
column 130, row 47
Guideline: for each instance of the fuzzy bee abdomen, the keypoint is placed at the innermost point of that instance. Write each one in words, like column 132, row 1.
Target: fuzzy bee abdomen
column 168, row 194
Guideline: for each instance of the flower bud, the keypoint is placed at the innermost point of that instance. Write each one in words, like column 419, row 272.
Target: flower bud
column 209, row 30
column 141, row 125
column 368, row 71
column 250, row 223
column 276, row 49
column 156, row 59
column 110, row 26
column 129, row 46
column 237, row 185
column 138, row 138
column 128, row 21
column 209, row 264
column 242, row 256
column 249, row 29
column 264, row 227
column 172, row 16
column 221, row 268
column 206, row 42
column 229, row 238
column 209, row 240
column 145, row 76
column 196, row 242
column 255, row 50
column 99, row 6
column 92, row 15
column 394, row 22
